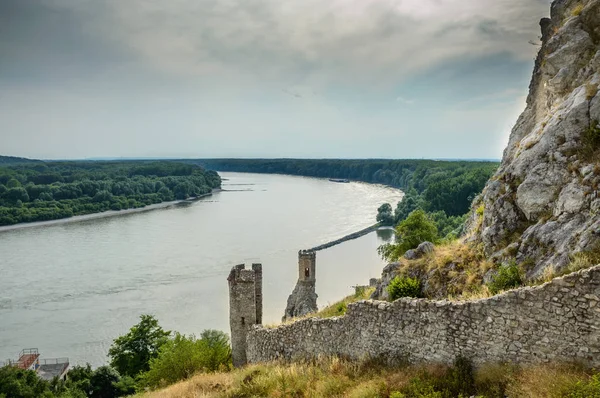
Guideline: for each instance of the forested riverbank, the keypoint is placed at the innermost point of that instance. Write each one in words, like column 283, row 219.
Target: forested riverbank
column 449, row 186
column 42, row 191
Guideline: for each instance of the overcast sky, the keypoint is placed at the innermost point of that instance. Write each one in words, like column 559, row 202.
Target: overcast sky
column 264, row 78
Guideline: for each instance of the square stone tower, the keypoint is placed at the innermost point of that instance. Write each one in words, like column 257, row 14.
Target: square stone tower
column 307, row 266
column 245, row 307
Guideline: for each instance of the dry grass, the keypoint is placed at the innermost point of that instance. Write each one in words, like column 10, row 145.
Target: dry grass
column 577, row 10
column 200, row 386
column 454, row 270
column 590, row 91
column 336, row 309
column 334, row 377
column 554, row 380
column 339, row 308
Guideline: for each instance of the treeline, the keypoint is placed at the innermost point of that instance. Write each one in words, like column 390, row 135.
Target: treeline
column 447, row 186
column 52, row 190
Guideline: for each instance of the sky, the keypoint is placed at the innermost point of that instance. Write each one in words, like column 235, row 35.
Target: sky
column 264, row 78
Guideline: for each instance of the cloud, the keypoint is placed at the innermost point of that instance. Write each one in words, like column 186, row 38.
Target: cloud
column 310, row 41
column 263, row 77
column 404, row 101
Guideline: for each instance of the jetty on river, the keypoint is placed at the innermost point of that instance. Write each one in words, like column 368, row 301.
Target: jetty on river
column 354, row 235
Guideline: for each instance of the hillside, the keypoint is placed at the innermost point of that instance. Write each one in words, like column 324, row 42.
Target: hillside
column 6, row 160
column 542, row 206
column 370, row 379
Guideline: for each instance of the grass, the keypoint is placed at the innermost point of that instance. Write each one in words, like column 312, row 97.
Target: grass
column 339, row 308
column 336, row 309
column 590, row 142
column 577, row 10
column 335, row 377
column 454, row 270
column 590, row 91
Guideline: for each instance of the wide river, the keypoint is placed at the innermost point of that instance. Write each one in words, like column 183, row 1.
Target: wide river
column 70, row 289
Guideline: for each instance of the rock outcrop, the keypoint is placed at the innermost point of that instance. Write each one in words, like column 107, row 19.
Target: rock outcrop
column 303, row 300
column 542, row 205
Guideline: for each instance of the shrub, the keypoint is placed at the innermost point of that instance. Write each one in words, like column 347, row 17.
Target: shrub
column 590, row 142
column 131, row 353
column 182, row 357
column 508, row 277
column 459, row 380
column 416, row 229
column 15, row 382
column 404, row 287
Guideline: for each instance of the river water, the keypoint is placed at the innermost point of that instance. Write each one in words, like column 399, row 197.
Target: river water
column 70, row 289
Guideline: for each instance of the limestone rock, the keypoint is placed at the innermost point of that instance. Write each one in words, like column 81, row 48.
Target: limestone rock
column 301, row 302
column 425, row 248
column 543, row 199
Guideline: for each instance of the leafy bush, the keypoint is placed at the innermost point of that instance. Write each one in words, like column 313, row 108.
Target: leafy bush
column 182, row 357
column 508, row 277
column 131, row 353
column 385, row 214
column 19, row 383
column 404, row 287
column 587, row 389
column 410, row 233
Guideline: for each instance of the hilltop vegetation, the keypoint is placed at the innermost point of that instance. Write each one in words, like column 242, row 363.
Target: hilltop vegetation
column 41, row 191
column 334, row 377
column 4, row 160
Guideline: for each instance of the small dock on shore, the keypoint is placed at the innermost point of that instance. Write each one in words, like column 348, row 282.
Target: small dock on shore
column 46, row 369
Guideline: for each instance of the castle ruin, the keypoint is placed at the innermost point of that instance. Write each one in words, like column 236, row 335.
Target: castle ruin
column 303, row 299
column 245, row 307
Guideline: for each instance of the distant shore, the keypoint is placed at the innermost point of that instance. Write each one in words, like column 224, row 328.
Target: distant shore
column 104, row 214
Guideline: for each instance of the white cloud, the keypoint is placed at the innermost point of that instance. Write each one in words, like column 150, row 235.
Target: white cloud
column 314, row 42
column 404, row 101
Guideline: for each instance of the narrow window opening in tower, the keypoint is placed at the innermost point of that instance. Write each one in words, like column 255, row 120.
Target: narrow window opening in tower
column 243, row 321
column 307, row 272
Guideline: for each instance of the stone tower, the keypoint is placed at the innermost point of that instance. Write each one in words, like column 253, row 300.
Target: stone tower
column 245, row 307
column 307, row 264
column 303, row 299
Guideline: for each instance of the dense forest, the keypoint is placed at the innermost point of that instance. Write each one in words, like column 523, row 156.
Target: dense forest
column 40, row 191
column 447, row 186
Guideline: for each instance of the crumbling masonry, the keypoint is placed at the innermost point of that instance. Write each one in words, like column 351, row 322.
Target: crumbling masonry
column 245, row 307
column 303, row 299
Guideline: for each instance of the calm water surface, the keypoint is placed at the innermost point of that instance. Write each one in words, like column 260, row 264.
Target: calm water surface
column 70, row 289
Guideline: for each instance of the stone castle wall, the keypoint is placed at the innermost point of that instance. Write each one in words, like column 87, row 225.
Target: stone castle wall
column 559, row 320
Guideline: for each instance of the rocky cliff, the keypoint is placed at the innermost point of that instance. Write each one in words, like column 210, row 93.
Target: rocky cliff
column 542, row 205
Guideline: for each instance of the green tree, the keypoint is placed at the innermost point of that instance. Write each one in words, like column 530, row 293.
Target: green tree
column 182, row 357
column 131, row 353
column 19, row 383
column 103, row 382
column 385, row 214
column 416, row 229
column 13, row 183
column 410, row 233
column 15, row 194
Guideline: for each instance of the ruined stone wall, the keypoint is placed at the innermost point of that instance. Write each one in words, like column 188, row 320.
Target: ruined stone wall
column 559, row 320
column 245, row 307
